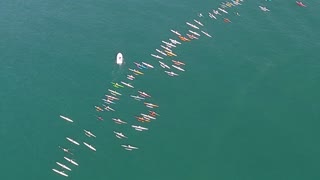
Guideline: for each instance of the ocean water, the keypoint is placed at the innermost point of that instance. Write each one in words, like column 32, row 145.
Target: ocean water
column 247, row 106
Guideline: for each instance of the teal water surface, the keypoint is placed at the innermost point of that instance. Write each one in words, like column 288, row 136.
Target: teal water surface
column 247, row 106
